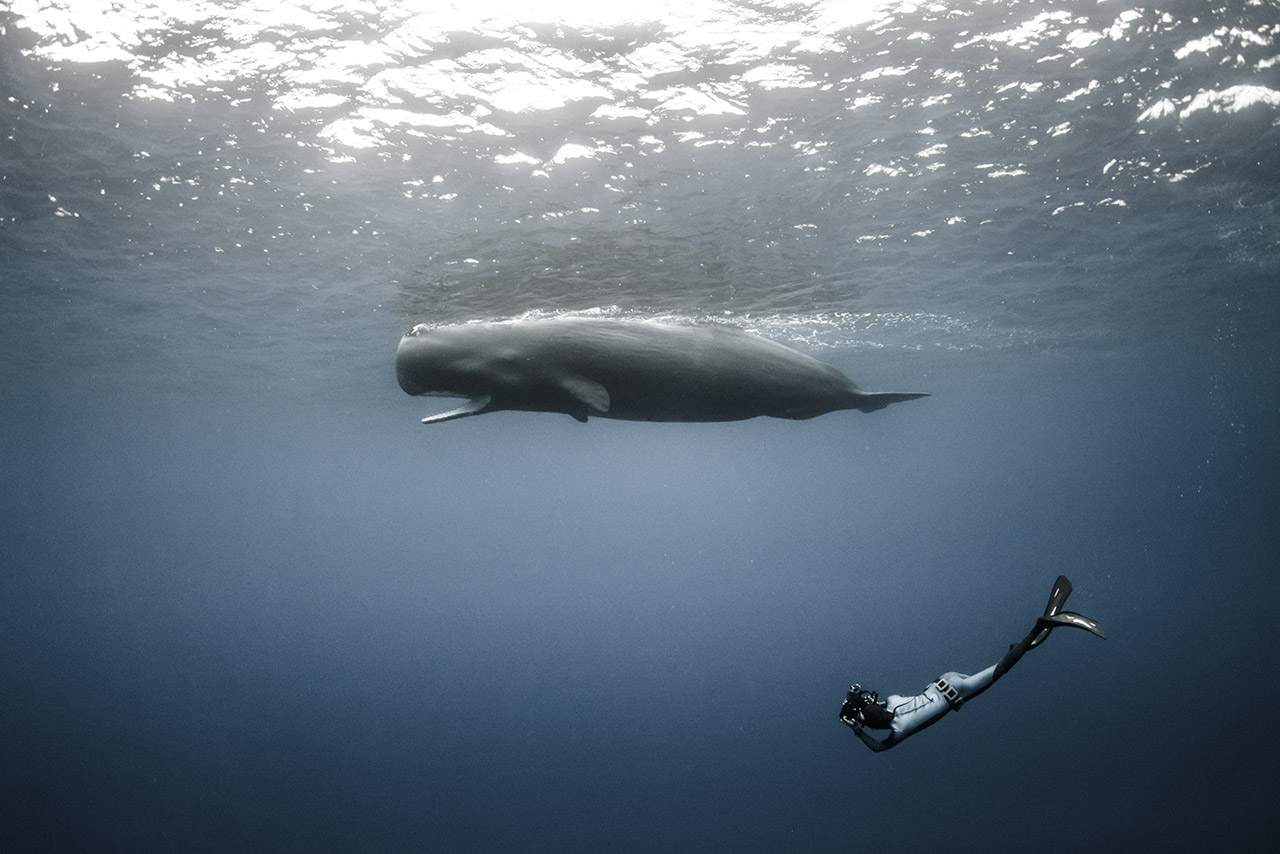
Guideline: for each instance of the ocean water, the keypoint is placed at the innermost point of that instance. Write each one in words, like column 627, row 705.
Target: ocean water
column 249, row 603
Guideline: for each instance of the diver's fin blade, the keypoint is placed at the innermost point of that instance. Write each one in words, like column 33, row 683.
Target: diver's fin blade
column 588, row 393
column 1071, row 618
column 1058, row 598
column 472, row 407
column 871, row 401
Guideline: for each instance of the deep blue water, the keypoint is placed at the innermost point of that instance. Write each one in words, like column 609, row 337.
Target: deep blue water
column 248, row 602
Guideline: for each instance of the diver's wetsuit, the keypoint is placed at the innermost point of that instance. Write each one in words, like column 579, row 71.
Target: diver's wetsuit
column 912, row 714
column 904, row 716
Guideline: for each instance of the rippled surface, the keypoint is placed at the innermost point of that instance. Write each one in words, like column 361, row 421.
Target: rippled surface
column 788, row 161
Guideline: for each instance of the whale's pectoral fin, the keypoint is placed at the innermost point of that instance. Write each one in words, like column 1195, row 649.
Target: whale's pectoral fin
column 472, row 407
column 587, row 394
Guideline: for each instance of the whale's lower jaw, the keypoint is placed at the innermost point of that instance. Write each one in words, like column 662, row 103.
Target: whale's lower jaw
column 475, row 406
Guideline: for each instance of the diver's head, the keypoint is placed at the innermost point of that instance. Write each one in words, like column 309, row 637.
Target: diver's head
column 855, row 701
column 865, row 707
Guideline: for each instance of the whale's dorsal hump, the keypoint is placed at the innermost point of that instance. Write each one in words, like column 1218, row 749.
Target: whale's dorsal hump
column 587, row 393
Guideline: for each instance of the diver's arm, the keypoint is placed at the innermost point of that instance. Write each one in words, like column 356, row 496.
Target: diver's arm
column 875, row 745
column 868, row 739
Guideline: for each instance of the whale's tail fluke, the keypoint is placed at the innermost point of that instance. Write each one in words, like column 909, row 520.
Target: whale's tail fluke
column 870, row 401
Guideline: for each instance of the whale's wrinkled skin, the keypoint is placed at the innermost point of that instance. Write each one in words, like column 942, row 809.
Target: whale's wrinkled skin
column 627, row 369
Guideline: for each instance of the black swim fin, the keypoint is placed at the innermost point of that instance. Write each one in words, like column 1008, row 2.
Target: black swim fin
column 1071, row 618
column 1057, row 598
column 1054, row 617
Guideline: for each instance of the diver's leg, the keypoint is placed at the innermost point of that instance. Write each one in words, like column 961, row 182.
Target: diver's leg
column 1016, row 651
column 971, row 686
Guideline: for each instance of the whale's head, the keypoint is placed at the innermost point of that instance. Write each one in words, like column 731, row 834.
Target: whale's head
column 451, row 361
column 433, row 362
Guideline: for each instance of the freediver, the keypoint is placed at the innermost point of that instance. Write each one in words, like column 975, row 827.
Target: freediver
column 905, row 716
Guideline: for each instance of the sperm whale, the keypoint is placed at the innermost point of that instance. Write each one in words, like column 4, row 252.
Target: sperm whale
column 634, row 370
